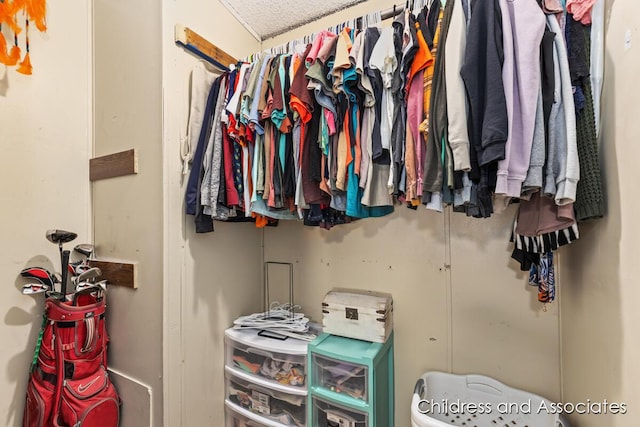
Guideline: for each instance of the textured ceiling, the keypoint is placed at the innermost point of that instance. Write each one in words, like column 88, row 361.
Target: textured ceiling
column 269, row 18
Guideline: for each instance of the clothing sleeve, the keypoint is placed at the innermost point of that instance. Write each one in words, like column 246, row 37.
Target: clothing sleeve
column 456, row 98
column 482, row 74
column 201, row 81
column 567, row 179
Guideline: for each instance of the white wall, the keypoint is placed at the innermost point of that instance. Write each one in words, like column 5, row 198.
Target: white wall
column 128, row 211
column 210, row 279
column 601, row 344
column 46, row 141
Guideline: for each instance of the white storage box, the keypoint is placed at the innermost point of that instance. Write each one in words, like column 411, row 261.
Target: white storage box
column 442, row 399
column 353, row 313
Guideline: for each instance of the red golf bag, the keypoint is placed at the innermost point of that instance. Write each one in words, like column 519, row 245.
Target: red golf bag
column 68, row 384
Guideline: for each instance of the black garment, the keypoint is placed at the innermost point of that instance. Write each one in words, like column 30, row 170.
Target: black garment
column 371, row 37
column 577, row 50
column 278, row 174
column 424, row 26
column 222, row 189
column 590, row 201
column 433, row 168
column 407, row 58
column 488, row 124
column 482, row 75
column 203, row 222
column 432, row 17
column 398, row 133
column 548, row 77
column 289, row 178
column 192, row 194
column 311, row 162
column 237, row 168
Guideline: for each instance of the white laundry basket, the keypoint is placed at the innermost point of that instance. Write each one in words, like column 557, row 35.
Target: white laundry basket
column 442, row 399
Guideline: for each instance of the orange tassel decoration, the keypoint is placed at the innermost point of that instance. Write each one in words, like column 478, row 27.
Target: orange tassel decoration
column 8, row 13
column 34, row 10
column 37, row 11
column 14, row 54
column 4, row 57
column 4, row 13
column 25, row 66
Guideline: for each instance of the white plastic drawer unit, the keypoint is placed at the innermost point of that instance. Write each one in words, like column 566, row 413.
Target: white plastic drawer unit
column 283, row 408
column 236, row 419
column 279, row 361
column 340, row 376
column 327, row 414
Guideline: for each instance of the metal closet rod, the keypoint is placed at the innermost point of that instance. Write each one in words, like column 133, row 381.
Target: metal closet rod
column 384, row 15
column 391, row 12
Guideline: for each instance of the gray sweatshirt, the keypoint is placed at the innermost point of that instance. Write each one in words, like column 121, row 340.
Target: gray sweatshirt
column 563, row 167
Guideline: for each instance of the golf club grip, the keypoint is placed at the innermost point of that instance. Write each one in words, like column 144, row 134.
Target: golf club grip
column 65, row 272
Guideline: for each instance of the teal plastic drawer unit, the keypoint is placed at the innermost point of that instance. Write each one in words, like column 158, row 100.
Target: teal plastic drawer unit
column 351, row 382
column 335, row 415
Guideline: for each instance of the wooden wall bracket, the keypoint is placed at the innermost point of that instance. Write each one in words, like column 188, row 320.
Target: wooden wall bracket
column 203, row 48
column 112, row 165
column 118, row 273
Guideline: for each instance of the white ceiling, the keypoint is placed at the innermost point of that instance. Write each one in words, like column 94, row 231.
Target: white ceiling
column 269, row 18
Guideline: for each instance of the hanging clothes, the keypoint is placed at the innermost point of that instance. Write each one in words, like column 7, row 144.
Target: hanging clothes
column 469, row 107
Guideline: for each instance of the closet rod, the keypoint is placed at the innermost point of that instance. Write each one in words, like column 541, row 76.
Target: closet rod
column 391, row 12
column 384, row 15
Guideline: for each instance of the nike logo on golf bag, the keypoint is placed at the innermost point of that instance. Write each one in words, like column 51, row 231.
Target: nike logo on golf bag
column 83, row 387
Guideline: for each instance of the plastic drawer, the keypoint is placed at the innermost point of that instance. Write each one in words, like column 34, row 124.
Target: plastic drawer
column 282, row 362
column 340, row 376
column 326, row 414
column 284, row 408
column 234, row 419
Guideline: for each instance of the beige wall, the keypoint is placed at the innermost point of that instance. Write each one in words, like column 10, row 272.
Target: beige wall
column 128, row 211
column 210, row 279
column 476, row 317
column 601, row 344
column 46, row 140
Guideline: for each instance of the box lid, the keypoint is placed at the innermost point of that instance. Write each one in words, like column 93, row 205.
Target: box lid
column 251, row 338
column 366, row 301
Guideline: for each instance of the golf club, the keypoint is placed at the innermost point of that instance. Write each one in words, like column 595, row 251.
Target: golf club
column 40, row 274
column 34, row 288
column 85, row 249
column 82, row 265
column 59, row 237
column 85, row 276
